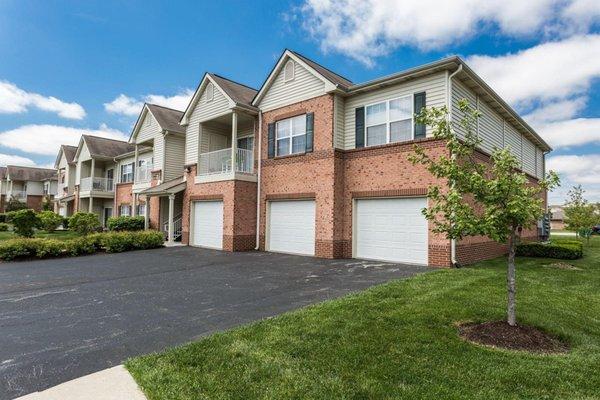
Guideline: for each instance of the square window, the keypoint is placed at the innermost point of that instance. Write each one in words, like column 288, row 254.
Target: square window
column 401, row 131
column 401, row 108
column 376, row 135
column 283, row 147
column 376, row 114
column 299, row 144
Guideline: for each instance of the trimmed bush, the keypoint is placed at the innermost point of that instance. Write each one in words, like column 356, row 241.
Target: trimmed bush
column 3, row 227
column 14, row 205
column 14, row 249
column 84, row 223
column 49, row 221
column 565, row 250
column 125, row 223
column 83, row 245
column 117, row 242
column 24, row 222
column 46, row 248
column 3, row 218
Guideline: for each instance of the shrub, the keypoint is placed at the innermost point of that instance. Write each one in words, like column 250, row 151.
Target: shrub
column 18, row 248
column 3, row 218
column 116, row 242
column 566, row 250
column 14, row 205
column 84, row 223
column 46, row 248
column 24, row 221
column 125, row 223
column 148, row 240
column 3, row 227
column 49, row 220
column 83, row 245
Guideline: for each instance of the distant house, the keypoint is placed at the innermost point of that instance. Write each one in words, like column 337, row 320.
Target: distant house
column 557, row 219
column 29, row 185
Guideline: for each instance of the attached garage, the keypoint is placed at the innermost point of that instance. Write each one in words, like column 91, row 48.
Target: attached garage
column 207, row 224
column 391, row 230
column 291, row 227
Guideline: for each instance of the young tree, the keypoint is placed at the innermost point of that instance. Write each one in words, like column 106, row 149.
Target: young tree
column 492, row 199
column 580, row 215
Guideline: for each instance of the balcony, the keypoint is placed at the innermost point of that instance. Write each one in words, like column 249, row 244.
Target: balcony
column 100, row 187
column 20, row 195
column 143, row 174
column 217, row 165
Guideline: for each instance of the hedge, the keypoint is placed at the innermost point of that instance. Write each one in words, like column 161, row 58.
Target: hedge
column 3, row 218
column 3, row 227
column 111, row 242
column 125, row 223
column 566, row 250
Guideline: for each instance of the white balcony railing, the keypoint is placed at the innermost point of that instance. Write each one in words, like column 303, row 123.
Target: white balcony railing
column 20, row 195
column 96, row 184
column 219, row 162
column 143, row 174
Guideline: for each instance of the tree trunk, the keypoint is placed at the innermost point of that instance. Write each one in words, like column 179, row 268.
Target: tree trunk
column 511, row 278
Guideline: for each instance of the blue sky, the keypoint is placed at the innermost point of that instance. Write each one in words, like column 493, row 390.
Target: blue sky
column 72, row 67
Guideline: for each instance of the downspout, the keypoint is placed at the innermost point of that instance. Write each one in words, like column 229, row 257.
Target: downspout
column 258, row 181
column 453, row 260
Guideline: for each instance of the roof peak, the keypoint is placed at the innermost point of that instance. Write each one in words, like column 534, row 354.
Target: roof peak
column 232, row 81
column 165, row 107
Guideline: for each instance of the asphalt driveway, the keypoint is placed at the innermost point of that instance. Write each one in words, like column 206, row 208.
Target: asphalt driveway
column 65, row 318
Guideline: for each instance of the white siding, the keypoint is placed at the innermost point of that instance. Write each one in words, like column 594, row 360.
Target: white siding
column 159, row 153
column 148, row 132
column 490, row 128
column 203, row 111
column 540, row 167
column 338, row 122
column 512, row 139
column 35, row 188
column 433, row 85
column 175, row 148
column 207, row 131
column 459, row 92
column 304, row 86
column 528, row 157
column 84, row 155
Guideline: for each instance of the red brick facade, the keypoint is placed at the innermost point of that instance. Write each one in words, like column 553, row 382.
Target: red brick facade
column 123, row 196
column 34, row 202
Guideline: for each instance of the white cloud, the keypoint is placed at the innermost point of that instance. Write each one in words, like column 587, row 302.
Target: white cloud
column 10, row 159
column 366, row 29
column 546, row 72
column 572, row 132
column 576, row 170
column 127, row 105
column 14, row 100
column 46, row 139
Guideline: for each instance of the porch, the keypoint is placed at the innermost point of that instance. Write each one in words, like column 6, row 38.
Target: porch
column 169, row 201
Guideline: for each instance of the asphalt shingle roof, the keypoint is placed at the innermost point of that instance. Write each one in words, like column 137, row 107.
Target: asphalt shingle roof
column 32, row 174
column 103, row 147
column 239, row 93
column 327, row 73
column 69, row 152
column 167, row 118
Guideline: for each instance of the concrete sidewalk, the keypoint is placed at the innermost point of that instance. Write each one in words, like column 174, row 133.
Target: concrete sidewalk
column 111, row 384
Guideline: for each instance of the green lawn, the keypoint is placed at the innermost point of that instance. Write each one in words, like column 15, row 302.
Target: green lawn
column 399, row 340
column 59, row 235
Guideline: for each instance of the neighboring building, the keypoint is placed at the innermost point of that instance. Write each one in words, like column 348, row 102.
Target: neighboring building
column 98, row 173
column 66, row 168
column 335, row 180
column 3, row 187
column 29, row 185
column 557, row 218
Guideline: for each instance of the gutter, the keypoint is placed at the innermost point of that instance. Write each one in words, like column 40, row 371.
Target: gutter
column 453, row 260
column 258, row 181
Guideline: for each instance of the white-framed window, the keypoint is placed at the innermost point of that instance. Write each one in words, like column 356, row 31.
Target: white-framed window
column 141, row 209
column 148, row 120
column 125, row 210
column 291, row 135
column 389, row 121
column 210, row 92
column 127, row 173
column 46, row 187
column 289, row 71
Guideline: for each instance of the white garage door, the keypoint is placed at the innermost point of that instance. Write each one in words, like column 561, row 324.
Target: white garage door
column 292, row 226
column 207, row 228
column 391, row 230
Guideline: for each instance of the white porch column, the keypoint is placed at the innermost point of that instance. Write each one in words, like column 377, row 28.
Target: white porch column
column 171, row 211
column 135, row 171
column 92, row 172
column 234, row 128
column 147, row 213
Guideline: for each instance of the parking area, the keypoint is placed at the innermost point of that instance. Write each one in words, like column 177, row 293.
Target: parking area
column 65, row 318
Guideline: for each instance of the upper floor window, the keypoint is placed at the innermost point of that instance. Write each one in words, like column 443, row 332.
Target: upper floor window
column 210, row 92
column 127, row 173
column 289, row 71
column 148, row 120
column 389, row 121
column 291, row 135
column 46, row 187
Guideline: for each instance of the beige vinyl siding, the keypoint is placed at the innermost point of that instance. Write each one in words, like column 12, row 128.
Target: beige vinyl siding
column 434, row 86
column 203, row 111
column 490, row 128
column 84, row 155
column 212, row 129
column 539, row 163
column 304, row 86
column 159, row 153
column 123, row 161
column 245, row 130
column 35, row 188
column 459, row 92
column 338, row 122
column 175, row 148
column 512, row 139
column 528, row 154
column 148, row 132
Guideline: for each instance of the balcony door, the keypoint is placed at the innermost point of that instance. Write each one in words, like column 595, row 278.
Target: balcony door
column 110, row 175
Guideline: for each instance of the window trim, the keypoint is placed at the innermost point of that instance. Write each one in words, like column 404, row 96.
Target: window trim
column 289, row 137
column 210, row 86
column 285, row 77
column 388, row 122
column 121, row 175
column 121, row 210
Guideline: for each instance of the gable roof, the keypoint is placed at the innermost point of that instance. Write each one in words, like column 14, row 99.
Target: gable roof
column 238, row 94
column 167, row 118
column 69, row 153
column 105, row 148
column 2, row 173
column 327, row 73
column 32, row 174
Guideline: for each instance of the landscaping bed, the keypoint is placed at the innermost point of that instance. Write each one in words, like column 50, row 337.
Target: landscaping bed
column 400, row 340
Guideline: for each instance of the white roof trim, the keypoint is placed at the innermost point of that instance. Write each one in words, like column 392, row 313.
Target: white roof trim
column 79, row 147
column 329, row 86
column 138, row 123
column 198, row 94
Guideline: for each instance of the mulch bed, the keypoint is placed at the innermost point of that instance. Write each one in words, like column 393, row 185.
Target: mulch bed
column 562, row 265
column 520, row 337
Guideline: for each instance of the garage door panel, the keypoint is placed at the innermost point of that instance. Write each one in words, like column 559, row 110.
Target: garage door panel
column 292, row 226
column 391, row 230
column 208, row 224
